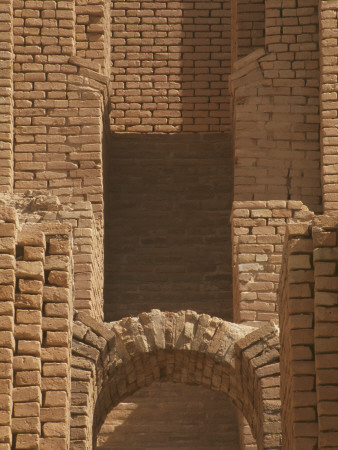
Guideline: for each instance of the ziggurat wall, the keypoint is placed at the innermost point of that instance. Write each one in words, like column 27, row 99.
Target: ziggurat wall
column 171, row 137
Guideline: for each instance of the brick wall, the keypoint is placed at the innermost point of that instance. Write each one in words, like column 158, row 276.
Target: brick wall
column 7, row 316
column 308, row 317
column 60, row 106
column 329, row 119
column 6, row 102
column 276, row 110
column 325, row 257
column 36, row 309
column 92, row 32
column 247, row 27
column 59, row 134
column 167, row 230
column 43, row 209
column 296, row 309
column 170, row 63
column 258, row 230
column 214, row 426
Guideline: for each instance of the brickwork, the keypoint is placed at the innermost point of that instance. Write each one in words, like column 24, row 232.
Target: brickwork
column 7, row 317
column 162, row 68
column 278, row 157
column 296, row 304
column 328, row 101
column 71, row 133
column 171, row 424
column 35, row 275
column 325, row 259
column 6, row 102
column 258, row 230
column 307, row 302
column 157, row 346
column 92, row 32
column 170, row 64
column 167, row 224
column 247, row 27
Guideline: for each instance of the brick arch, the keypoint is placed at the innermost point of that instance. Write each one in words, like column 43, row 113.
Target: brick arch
column 111, row 361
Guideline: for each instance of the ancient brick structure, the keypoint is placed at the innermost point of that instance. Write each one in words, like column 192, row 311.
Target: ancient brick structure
column 168, row 217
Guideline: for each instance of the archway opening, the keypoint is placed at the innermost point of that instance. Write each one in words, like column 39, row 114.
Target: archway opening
column 171, row 416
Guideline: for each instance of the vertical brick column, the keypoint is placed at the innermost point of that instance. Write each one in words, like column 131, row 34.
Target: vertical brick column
column 6, row 103
column 57, row 327
column 328, row 102
column 296, row 308
column 325, row 257
column 43, row 41
column 7, row 284
column 88, row 263
column 28, row 334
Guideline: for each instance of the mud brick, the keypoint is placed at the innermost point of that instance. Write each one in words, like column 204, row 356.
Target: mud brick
column 30, row 286
column 58, row 278
column 55, row 398
column 28, row 301
column 55, row 369
column 27, row 440
column 30, row 269
column 29, row 348
column 34, row 253
column 27, row 394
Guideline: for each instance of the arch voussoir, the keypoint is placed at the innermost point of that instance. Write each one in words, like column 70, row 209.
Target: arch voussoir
column 111, row 361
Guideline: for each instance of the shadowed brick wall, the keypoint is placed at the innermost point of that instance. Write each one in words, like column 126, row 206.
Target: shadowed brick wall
column 167, row 224
column 276, row 110
column 168, row 424
column 247, row 27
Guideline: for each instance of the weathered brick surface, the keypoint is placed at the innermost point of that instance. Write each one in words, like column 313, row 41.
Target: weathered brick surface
column 296, row 310
column 276, row 110
column 7, row 318
column 172, row 424
column 92, row 32
column 325, row 326
column 258, row 230
column 6, row 105
column 328, row 58
column 247, row 27
column 235, row 361
column 170, row 64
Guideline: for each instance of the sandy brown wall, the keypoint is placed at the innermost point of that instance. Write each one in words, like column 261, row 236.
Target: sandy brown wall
column 167, row 212
column 170, row 65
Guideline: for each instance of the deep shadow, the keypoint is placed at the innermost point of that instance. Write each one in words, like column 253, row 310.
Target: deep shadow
column 167, row 224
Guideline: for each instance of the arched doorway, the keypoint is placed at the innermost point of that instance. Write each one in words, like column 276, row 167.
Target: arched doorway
column 180, row 347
